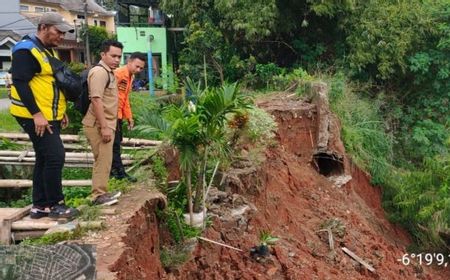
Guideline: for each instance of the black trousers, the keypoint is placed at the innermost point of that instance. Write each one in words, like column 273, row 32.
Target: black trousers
column 50, row 157
column 117, row 165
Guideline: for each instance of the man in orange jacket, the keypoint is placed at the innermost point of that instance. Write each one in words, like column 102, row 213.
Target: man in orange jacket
column 124, row 76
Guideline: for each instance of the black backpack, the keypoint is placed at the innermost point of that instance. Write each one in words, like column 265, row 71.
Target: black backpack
column 83, row 101
column 66, row 80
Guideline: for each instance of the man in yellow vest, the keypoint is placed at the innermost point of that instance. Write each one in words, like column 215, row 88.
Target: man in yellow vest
column 40, row 109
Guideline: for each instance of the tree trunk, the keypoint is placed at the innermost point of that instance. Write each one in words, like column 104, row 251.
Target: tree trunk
column 201, row 183
column 219, row 69
column 189, row 189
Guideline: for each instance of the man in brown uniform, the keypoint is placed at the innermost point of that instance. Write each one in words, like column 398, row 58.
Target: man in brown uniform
column 99, row 123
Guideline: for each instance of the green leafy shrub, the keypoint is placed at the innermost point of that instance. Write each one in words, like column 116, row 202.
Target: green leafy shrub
column 265, row 73
column 169, row 79
column 258, row 128
column 77, row 67
column 422, row 202
column 196, row 128
column 160, row 173
column 75, row 118
column 141, row 104
column 173, row 218
column 76, row 196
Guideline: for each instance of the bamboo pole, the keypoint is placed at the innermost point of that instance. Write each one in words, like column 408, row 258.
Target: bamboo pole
column 140, row 142
column 77, row 138
column 68, row 154
column 78, row 163
column 78, row 147
column 67, row 159
column 9, row 183
column 40, row 224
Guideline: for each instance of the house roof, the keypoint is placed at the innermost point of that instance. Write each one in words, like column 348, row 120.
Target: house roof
column 16, row 23
column 140, row 3
column 51, row 2
column 19, row 25
column 75, row 6
column 8, row 35
column 78, row 6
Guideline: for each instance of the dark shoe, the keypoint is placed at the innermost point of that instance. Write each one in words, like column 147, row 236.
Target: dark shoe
column 114, row 173
column 129, row 178
column 37, row 212
column 61, row 211
column 105, row 200
column 122, row 175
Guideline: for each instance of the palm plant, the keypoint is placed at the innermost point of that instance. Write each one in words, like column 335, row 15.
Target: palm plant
column 194, row 128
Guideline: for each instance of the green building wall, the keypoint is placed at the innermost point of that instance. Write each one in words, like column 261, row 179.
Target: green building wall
column 137, row 39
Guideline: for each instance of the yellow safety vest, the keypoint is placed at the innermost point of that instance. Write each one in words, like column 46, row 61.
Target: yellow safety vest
column 49, row 98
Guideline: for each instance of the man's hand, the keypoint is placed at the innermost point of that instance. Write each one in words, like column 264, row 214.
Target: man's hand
column 130, row 124
column 65, row 121
column 106, row 133
column 41, row 124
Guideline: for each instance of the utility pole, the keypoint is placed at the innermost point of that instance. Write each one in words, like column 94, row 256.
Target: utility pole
column 150, row 66
column 86, row 39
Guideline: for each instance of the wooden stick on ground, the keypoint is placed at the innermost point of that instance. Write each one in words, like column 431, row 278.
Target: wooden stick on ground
column 311, row 138
column 330, row 237
column 358, row 259
column 220, row 244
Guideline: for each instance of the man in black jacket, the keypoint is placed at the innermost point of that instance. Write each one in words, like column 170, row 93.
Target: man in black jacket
column 40, row 109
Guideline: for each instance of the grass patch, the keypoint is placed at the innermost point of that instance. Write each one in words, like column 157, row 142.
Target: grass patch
column 76, row 173
column 160, row 172
column 3, row 92
column 9, row 123
column 54, row 238
column 89, row 213
column 363, row 134
column 115, row 185
column 172, row 257
column 7, row 144
column 76, row 196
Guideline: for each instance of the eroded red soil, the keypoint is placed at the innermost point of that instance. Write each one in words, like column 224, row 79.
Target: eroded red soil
column 294, row 202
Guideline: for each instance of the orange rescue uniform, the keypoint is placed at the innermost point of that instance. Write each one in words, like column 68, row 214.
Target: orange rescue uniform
column 124, row 83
